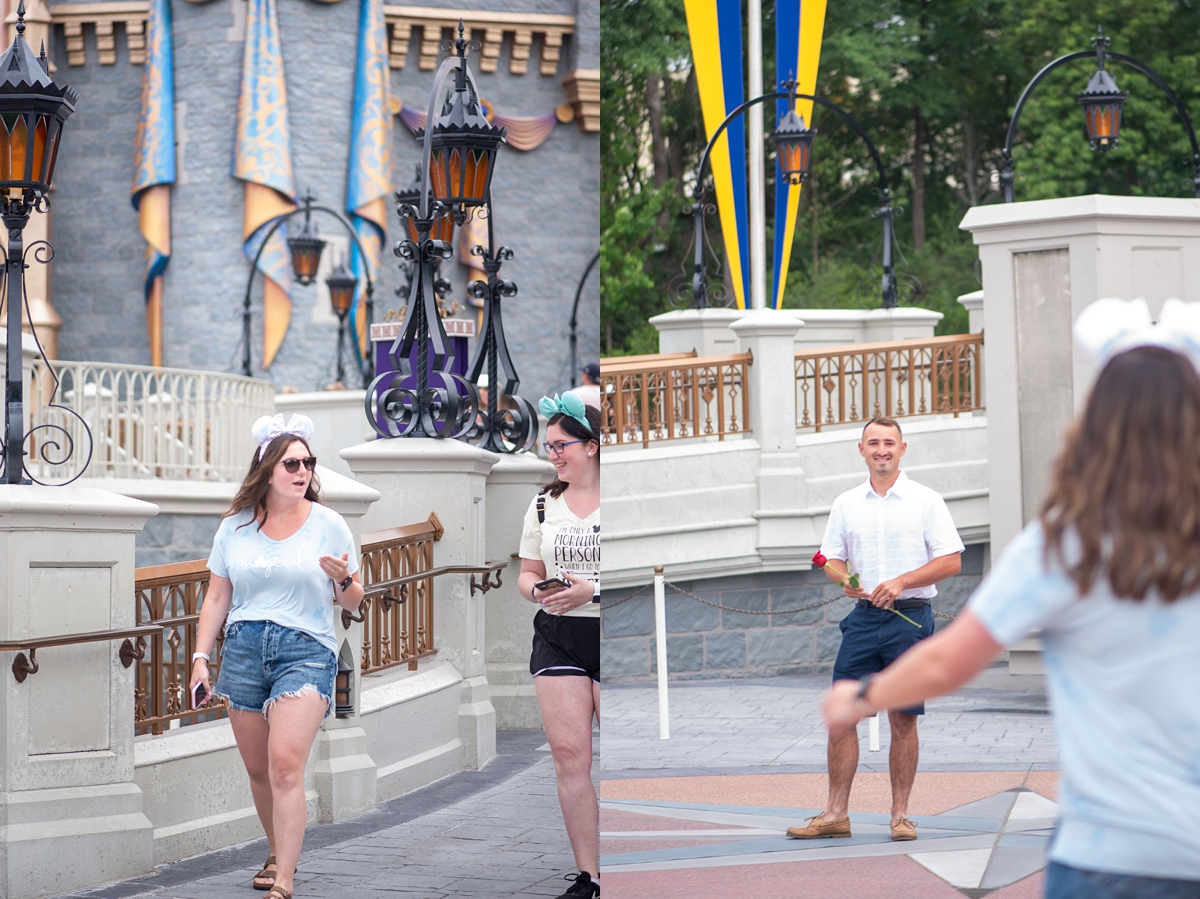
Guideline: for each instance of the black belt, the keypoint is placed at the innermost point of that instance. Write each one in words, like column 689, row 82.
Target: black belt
column 901, row 605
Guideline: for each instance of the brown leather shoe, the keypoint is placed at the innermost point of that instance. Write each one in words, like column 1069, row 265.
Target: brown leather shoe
column 903, row 829
column 818, row 827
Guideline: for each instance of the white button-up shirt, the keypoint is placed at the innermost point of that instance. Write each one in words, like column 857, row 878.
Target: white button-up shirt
column 882, row 537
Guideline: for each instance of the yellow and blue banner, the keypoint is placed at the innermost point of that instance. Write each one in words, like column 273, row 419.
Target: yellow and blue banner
column 798, row 31
column 715, row 29
column 154, row 165
column 262, row 158
column 370, row 180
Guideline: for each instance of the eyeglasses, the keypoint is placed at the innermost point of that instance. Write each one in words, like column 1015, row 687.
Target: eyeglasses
column 293, row 465
column 557, row 448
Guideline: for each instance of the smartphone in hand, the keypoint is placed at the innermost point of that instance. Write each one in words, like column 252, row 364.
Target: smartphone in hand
column 552, row 582
column 199, row 694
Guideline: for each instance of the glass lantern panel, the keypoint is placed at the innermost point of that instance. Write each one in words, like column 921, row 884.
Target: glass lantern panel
column 437, row 172
column 456, row 174
column 5, row 155
column 481, row 160
column 40, row 172
column 19, row 150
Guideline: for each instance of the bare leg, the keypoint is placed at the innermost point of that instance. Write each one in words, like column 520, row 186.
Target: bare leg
column 596, row 700
column 568, row 706
column 295, row 721
column 842, row 757
column 902, row 760
column 250, row 730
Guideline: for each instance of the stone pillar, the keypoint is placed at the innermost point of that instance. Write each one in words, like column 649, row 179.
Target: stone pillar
column 346, row 775
column 704, row 330
column 71, row 815
column 973, row 303
column 421, row 475
column 511, row 486
column 770, row 335
column 1043, row 262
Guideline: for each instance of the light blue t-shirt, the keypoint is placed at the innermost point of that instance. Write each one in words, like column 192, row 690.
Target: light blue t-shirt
column 281, row 580
column 1124, row 682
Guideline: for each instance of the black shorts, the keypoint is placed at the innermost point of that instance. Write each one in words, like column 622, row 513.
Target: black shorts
column 565, row 645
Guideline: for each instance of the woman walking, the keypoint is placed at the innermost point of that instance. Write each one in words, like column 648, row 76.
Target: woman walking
column 561, row 542
column 1110, row 573
column 279, row 561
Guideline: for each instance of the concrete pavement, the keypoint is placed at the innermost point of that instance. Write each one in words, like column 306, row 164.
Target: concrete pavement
column 495, row 832
column 703, row 813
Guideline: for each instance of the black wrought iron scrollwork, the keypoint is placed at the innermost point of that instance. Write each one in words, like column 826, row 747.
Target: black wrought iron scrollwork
column 693, row 289
column 50, row 453
column 509, row 424
column 491, row 579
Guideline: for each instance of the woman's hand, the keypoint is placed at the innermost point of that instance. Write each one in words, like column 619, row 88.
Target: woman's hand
column 336, row 567
column 200, row 675
column 560, row 600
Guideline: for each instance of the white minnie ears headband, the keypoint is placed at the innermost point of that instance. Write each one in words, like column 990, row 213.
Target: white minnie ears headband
column 268, row 427
column 1110, row 326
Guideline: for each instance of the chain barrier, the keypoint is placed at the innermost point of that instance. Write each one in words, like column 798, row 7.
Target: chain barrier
column 717, row 605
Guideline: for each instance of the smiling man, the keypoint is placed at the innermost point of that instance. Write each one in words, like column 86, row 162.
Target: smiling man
column 900, row 539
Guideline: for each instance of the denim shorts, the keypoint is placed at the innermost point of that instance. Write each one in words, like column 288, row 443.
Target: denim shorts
column 1066, row 882
column 262, row 662
column 873, row 638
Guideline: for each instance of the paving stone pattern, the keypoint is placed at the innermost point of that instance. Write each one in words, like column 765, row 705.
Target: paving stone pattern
column 705, row 642
column 495, row 832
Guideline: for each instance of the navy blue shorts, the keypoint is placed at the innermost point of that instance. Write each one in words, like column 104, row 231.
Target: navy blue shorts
column 873, row 638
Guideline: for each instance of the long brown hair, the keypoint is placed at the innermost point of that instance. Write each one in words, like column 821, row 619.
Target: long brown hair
column 1127, row 480
column 579, row 431
column 253, row 492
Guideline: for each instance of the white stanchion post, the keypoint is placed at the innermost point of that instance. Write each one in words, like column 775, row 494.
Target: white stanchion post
column 660, row 644
column 873, row 732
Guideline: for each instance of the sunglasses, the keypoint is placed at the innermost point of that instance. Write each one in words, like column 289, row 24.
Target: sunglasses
column 293, row 465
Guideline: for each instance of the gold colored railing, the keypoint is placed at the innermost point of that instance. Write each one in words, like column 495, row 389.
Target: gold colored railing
column 896, row 379
column 169, row 597
column 398, row 619
column 653, row 399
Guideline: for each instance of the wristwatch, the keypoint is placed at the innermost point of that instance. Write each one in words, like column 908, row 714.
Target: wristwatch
column 345, row 585
column 595, row 591
column 201, row 655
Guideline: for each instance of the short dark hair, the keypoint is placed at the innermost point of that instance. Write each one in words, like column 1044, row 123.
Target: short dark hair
column 886, row 422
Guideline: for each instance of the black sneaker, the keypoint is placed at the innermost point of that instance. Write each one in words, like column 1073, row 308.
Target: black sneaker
column 584, row 887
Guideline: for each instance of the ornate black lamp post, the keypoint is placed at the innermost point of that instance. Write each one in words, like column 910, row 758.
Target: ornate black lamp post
column 32, row 112
column 422, row 397
column 793, row 142
column 443, row 230
column 574, row 323
column 1102, row 103
column 342, row 286
column 305, row 249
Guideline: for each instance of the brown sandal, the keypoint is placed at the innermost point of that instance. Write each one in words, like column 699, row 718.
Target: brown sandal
column 265, row 879
column 278, row 891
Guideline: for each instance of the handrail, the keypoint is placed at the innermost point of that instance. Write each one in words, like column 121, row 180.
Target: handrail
column 907, row 343
column 383, row 587
column 667, row 361
column 22, row 667
column 647, row 357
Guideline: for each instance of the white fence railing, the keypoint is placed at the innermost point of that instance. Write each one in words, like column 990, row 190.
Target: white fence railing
column 148, row 422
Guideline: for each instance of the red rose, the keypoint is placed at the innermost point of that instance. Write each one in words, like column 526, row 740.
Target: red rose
column 819, row 560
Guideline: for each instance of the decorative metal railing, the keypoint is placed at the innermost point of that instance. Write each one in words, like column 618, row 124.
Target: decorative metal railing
column 170, row 596
column 154, row 422
column 397, row 617
column 896, row 379
column 673, row 397
column 397, row 620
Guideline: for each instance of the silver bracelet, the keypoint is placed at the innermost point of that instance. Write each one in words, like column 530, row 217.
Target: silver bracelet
column 201, row 655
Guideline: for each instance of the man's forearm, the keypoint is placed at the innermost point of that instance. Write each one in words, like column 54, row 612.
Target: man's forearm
column 933, row 571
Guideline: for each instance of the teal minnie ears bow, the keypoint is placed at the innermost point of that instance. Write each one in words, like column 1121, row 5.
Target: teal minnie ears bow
column 567, row 404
